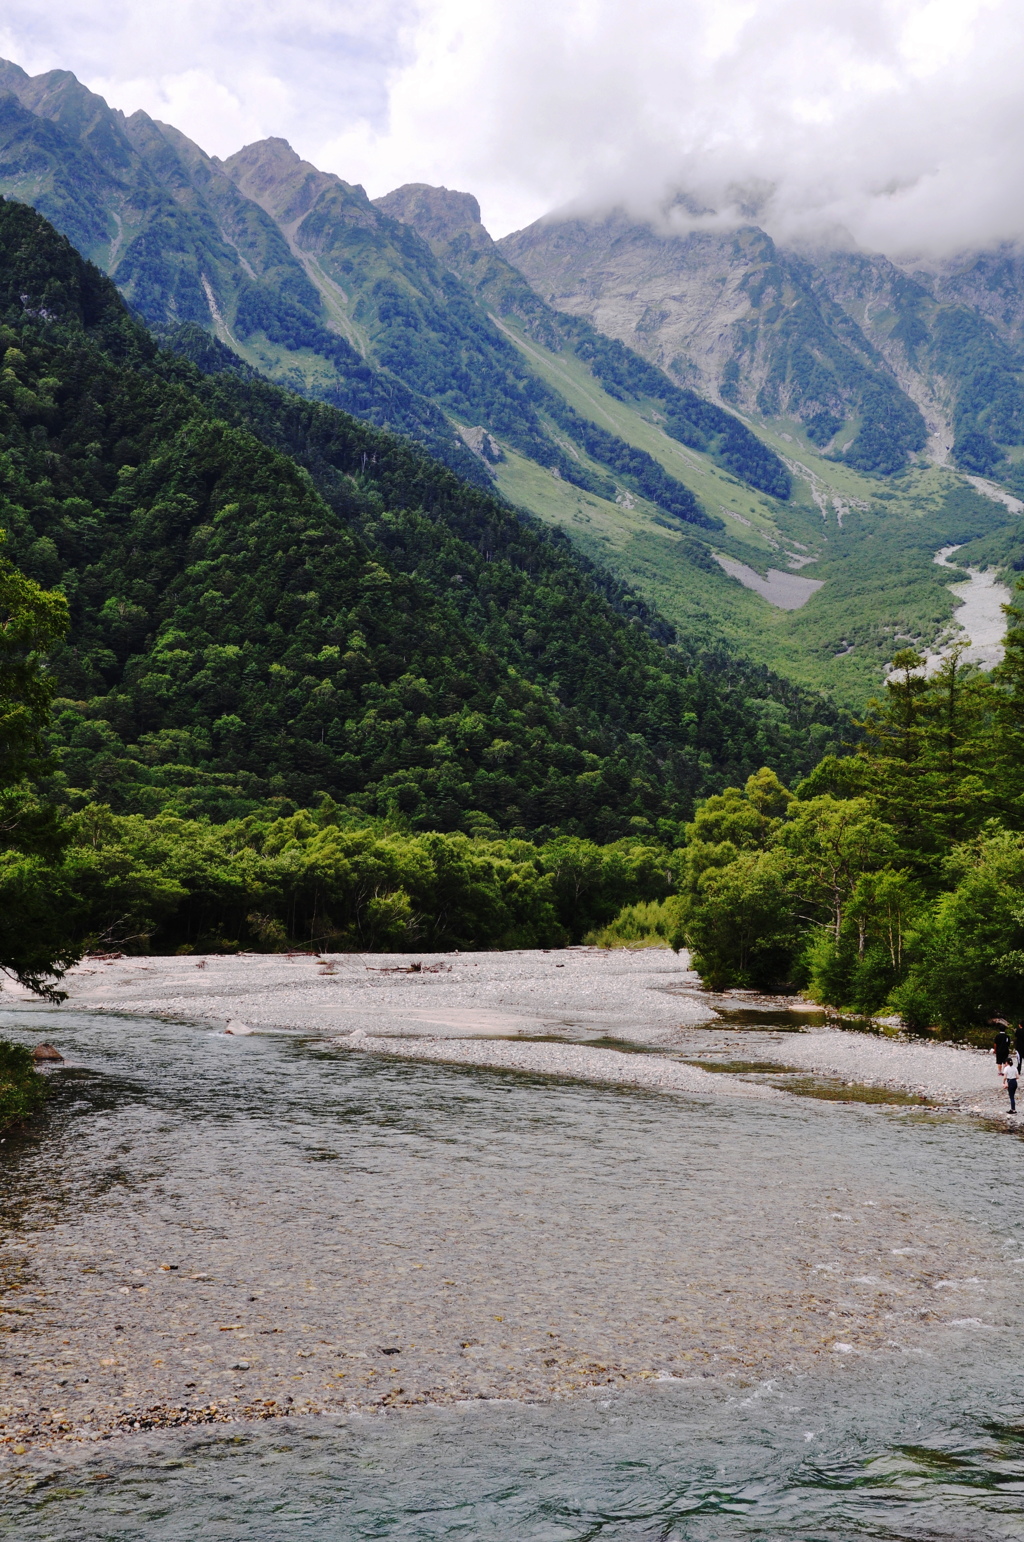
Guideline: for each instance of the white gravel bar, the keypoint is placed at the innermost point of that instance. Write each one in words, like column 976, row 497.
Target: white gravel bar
column 558, row 1013
column 579, row 1062
column 956, row 1074
column 621, row 994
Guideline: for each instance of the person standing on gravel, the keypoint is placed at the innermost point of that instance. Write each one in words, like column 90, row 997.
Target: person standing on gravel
column 1001, row 1044
column 1009, row 1074
column 1018, row 1044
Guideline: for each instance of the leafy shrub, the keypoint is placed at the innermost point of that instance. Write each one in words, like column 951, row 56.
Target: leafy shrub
column 651, row 924
column 822, row 426
column 22, row 1089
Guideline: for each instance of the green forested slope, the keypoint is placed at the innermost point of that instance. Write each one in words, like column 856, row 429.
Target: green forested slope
column 372, row 628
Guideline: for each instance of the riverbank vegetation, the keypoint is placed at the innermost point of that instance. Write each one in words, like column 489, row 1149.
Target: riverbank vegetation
column 889, row 880
column 22, row 1088
column 641, row 924
column 326, row 879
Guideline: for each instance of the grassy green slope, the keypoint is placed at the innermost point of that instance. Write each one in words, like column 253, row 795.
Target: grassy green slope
column 721, row 494
column 872, row 540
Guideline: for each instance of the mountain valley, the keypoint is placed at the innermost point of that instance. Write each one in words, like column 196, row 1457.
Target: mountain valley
column 704, row 414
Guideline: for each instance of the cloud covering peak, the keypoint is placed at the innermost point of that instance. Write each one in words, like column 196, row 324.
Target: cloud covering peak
column 897, row 124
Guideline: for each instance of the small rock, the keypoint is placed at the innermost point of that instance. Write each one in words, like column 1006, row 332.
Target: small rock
column 237, row 1027
column 240, row 1365
column 47, row 1052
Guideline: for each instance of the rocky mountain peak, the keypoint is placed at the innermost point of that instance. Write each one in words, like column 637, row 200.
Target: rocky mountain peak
column 438, row 214
column 12, row 76
column 263, row 152
column 263, row 163
column 280, row 181
column 60, row 97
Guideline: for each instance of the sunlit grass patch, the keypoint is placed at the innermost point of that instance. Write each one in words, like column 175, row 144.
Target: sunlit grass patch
column 743, row 1067
column 851, row 1092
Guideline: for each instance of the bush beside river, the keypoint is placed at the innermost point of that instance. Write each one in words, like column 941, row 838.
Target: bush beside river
column 22, row 1089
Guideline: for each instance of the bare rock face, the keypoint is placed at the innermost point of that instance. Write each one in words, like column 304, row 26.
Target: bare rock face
column 727, row 312
column 680, row 300
column 483, row 444
column 46, row 1052
column 438, row 213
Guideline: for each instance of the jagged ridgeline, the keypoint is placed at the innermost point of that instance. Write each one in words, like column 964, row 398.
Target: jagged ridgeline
column 333, row 295
column 864, row 355
column 272, row 599
column 450, row 223
column 736, row 314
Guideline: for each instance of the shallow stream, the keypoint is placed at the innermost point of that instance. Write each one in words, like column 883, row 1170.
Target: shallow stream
column 524, row 1309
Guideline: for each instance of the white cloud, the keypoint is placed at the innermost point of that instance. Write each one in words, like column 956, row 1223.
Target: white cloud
column 222, row 70
column 899, row 121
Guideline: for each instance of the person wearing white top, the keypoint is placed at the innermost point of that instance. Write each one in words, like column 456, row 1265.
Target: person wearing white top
column 1009, row 1075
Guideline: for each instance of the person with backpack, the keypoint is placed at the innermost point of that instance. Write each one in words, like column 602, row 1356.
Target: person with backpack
column 1001, row 1043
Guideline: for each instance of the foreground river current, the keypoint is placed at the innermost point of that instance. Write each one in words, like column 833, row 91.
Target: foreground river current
column 495, row 1305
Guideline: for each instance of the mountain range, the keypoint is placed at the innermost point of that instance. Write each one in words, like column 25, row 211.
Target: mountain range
column 708, row 416
column 876, row 360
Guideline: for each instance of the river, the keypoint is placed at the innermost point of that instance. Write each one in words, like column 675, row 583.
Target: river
column 556, row 1311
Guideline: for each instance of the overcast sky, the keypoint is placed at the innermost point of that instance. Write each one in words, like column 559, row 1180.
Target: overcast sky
column 897, row 123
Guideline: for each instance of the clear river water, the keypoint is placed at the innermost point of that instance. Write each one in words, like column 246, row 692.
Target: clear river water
column 809, row 1312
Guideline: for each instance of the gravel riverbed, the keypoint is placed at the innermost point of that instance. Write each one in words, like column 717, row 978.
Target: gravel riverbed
column 474, row 1007
column 273, row 1184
